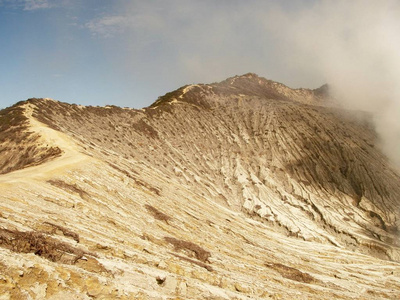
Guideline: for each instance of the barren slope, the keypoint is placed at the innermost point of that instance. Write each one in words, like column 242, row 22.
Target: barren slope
column 241, row 188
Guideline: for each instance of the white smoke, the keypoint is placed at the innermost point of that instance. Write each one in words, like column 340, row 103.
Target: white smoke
column 355, row 46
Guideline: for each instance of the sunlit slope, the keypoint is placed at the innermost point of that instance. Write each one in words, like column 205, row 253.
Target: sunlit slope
column 239, row 189
column 314, row 171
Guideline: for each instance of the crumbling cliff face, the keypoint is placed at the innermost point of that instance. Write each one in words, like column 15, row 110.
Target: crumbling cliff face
column 244, row 188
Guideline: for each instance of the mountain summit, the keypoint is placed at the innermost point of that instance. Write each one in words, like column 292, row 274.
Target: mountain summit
column 249, row 84
column 232, row 190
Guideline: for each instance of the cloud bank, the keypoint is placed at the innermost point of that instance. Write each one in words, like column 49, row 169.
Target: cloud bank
column 355, row 46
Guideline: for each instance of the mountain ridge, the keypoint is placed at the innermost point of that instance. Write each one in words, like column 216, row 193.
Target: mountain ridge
column 215, row 195
column 249, row 84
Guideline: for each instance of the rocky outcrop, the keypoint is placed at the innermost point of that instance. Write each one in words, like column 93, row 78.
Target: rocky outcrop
column 244, row 188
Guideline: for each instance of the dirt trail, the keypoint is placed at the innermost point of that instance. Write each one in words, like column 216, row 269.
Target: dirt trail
column 70, row 157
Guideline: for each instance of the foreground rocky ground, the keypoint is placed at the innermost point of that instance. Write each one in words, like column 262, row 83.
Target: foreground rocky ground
column 236, row 190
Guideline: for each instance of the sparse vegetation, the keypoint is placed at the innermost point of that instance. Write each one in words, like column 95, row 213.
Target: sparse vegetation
column 69, row 187
column 291, row 273
column 200, row 264
column 137, row 181
column 65, row 231
column 125, row 172
column 12, row 117
column 142, row 127
column 195, row 250
column 158, row 214
column 13, row 124
column 14, row 133
column 41, row 245
column 168, row 97
column 27, row 157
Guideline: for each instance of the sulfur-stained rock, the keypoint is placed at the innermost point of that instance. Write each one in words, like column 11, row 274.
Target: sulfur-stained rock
column 242, row 288
column 91, row 264
column 182, row 289
column 170, row 285
column 162, row 265
column 94, row 288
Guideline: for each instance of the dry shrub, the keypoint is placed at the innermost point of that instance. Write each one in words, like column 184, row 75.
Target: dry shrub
column 14, row 127
column 12, row 117
column 291, row 273
column 137, row 181
column 65, row 231
column 147, row 186
column 125, row 172
column 41, row 245
column 69, row 187
column 144, row 128
column 168, row 97
column 158, row 214
column 199, row 253
column 203, row 265
column 27, row 156
column 152, row 189
column 44, row 117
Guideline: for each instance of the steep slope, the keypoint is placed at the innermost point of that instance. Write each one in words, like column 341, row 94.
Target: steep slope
column 221, row 191
column 20, row 145
column 312, row 170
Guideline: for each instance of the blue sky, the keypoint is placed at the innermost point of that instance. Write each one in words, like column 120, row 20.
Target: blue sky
column 127, row 53
column 48, row 51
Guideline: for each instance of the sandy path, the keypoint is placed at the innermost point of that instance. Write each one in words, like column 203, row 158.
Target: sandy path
column 70, row 157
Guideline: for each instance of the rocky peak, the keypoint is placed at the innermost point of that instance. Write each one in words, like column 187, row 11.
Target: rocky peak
column 249, row 84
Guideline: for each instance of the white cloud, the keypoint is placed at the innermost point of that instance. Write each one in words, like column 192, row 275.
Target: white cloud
column 31, row 5
column 108, row 26
column 113, row 25
column 37, row 4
